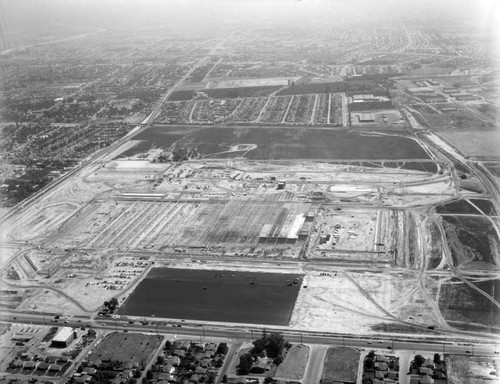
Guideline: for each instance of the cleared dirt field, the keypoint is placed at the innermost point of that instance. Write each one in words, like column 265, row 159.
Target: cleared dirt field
column 241, row 297
column 129, row 348
column 294, row 365
column 472, row 369
column 341, row 364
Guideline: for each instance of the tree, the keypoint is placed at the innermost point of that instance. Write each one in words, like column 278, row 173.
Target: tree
column 371, row 354
column 268, row 380
column 224, row 378
column 168, row 345
column 246, row 362
column 149, row 375
column 222, row 349
column 419, row 360
column 272, row 344
column 437, row 358
column 369, row 363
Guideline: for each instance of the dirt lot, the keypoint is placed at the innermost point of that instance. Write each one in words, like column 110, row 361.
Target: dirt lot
column 472, row 369
column 341, row 364
column 129, row 348
column 294, row 365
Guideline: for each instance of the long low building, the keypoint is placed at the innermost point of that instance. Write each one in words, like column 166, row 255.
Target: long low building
column 63, row 338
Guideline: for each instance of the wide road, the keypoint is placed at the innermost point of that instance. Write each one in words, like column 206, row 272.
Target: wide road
column 486, row 348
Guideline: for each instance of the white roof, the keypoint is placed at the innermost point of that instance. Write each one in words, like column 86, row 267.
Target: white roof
column 63, row 334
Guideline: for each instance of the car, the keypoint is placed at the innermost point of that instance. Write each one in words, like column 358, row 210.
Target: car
column 496, row 352
column 66, row 322
column 380, row 341
column 14, row 318
column 131, row 322
column 78, row 321
column 369, row 342
column 103, row 323
column 389, row 347
column 468, row 351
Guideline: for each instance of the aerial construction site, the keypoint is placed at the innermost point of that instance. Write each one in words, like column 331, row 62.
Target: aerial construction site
column 332, row 184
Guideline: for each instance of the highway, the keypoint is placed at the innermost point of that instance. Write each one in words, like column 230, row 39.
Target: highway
column 424, row 343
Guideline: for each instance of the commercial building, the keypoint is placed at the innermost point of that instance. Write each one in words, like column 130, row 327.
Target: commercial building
column 63, row 338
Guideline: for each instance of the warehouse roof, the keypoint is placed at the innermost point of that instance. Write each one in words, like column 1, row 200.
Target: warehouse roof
column 63, row 334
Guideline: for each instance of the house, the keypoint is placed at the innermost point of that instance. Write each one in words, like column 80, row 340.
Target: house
column 380, row 375
column 179, row 352
column 205, row 362
column 211, row 347
column 428, row 363
column 176, row 361
column 426, row 380
column 89, row 371
column 17, row 364
column 381, row 358
column 259, row 366
column 209, row 354
column 381, row 366
column 55, row 368
column 200, row 370
column 29, row 365
column 42, row 367
column 425, row 371
column 51, row 359
column 392, row 375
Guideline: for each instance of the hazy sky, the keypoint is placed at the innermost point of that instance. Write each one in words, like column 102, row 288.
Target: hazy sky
column 50, row 17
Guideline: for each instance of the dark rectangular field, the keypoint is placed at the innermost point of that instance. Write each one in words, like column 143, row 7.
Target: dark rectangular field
column 292, row 143
column 215, row 295
column 472, row 241
column 462, row 305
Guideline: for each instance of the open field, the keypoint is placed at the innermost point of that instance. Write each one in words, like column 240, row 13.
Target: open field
column 465, row 307
column 294, row 365
column 128, row 348
column 484, row 143
column 472, row 369
column 473, row 241
column 242, row 297
column 289, row 143
column 341, row 365
column 158, row 137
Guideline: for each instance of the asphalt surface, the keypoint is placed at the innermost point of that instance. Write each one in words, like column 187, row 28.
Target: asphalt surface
column 181, row 329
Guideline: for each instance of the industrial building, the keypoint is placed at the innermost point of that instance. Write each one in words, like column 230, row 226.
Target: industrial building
column 63, row 338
